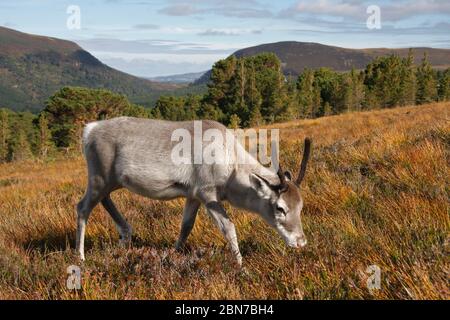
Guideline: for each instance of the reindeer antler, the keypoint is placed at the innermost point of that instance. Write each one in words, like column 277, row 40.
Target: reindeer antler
column 283, row 185
column 306, row 152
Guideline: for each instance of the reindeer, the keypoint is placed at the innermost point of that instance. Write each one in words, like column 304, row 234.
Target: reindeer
column 136, row 154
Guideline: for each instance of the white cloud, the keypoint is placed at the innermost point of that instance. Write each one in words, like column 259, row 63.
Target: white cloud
column 196, row 58
column 230, row 8
column 397, row 10
column 180, row 10
column 228, row 32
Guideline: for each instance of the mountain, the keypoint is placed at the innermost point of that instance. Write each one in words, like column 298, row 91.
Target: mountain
column 180, row 78
column 296, row 56
column 32, row 68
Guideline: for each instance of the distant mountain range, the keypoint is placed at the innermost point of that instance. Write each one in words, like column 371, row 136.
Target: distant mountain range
column 32, row 68
column 296, row 56
column 179, row 78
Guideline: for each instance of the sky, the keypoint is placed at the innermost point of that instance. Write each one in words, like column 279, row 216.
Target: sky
column 150, row 38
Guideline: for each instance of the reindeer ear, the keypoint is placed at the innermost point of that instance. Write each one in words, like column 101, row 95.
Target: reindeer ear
column 261, row 186
column 288, row 175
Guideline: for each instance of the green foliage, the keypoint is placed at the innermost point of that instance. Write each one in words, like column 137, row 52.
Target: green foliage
column 305, row 85
column 444, row 85
column 177, row 108
column 22, row 142
column 170, row 108
column 18, row 135
column 352, row 95
column 45, row 144
column 384, row 78
column 408, row 85
column 249, row 91
column 426, row 82
column 247, row 86
column 71, row 108
column 255, row 90
column 20, row 148
column 31, row 78
column 235, row 122
column 328, row 82
column 4, row 135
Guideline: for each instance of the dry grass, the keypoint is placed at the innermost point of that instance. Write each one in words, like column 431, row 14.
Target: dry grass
column 376, row 192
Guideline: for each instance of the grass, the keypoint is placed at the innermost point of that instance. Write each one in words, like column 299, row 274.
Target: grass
column 376, row 193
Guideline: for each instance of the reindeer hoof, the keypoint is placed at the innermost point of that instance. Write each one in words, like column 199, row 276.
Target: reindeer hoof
column 125, row 238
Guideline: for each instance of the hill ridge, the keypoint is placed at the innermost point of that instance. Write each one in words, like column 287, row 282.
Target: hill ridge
column 296, row 56
column 34, row 67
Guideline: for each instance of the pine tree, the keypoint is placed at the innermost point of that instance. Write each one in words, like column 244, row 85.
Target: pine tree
column 235, row 122
column 383, row 79
column 222, row 89
column 408, row 82
column 242, row 82
column 211, row 112
column 253, row 98
column 444, row 86
column 45, row 144
column 316, row 100
column 351, row 90
column 69, row 109
column 371, row 99
column 328, row 83
column 20, row 148
column 305, row 85
column 192, row 106
column 4, row 135
column 270, row 83
column 426, row 82
column 256, row 119
column 238, row 83
column 290, row 107
column 327, row 110
column 346, row 89
column 358, row 89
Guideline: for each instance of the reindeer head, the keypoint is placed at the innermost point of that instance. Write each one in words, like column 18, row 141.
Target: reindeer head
column 282, row 203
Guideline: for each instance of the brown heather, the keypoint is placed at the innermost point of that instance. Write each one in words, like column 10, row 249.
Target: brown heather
column 376, row 193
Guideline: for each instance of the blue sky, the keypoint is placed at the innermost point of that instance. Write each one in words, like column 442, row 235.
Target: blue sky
column 163, row 37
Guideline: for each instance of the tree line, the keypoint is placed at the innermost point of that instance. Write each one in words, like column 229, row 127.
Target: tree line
column 242, row 92
column 252, row 91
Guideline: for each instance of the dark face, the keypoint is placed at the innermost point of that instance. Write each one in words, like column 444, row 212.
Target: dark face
column 281, row 204
column 282, row 210
column 287, row 216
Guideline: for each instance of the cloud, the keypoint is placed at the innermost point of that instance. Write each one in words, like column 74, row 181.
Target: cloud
column 180, row 10
column 407, row 9
column 8, row 24
column 231, row 8
column 146, row 26
column 158, row 64
column 218, row 32
column 157, row 57
column 155, row 46
column 356, row 10
column 340, row 8
column 228, row 32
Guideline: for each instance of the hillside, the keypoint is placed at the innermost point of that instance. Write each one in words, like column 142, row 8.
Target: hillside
column 33, row 67
column 296, row 56
column 375, row 193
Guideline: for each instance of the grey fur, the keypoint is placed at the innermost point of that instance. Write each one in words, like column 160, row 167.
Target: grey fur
column 135, row 154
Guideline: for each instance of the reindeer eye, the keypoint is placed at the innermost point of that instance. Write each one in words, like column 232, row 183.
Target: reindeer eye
column 280, row 209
